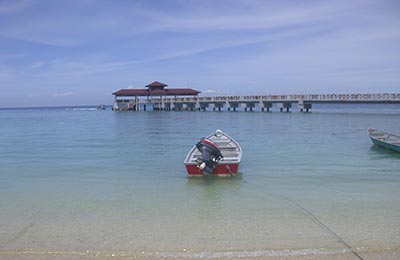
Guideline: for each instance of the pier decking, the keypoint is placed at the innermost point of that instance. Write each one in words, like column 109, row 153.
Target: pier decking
column 248, row 103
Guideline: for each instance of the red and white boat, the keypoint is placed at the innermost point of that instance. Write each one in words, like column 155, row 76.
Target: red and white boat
column 216, row 154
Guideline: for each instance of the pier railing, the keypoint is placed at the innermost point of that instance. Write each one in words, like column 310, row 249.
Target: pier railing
column 304, row 101
column 389, row 97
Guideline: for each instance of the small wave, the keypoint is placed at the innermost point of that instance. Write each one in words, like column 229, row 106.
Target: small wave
column 252, row 254
column 84, row 109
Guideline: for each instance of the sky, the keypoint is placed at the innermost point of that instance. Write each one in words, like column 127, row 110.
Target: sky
column 78, row 52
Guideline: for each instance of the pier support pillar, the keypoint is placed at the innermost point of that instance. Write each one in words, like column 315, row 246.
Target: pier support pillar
column 266, row 105
column 304, row 106
column 178, row 106
column 249, row 105
column 219, row 105
column 286, row 105
column 190, row 106
column 307, row 106
column 203, row 106
column 233, row 104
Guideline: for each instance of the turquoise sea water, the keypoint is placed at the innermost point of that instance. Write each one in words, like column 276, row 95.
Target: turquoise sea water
column 82, row 180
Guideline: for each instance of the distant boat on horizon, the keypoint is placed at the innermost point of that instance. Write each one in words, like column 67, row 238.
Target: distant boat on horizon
column 101, row 107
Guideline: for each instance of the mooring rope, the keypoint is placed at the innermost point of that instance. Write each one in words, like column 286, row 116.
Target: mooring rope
column 229, row 169
column 313, row 218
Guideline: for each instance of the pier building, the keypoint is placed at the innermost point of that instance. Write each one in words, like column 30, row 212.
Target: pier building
column 155, row 94
column 158, row 97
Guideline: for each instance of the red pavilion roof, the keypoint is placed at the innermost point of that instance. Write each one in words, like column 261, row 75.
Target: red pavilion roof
column 181, row 91
column 157, row 92
column 156, row 84
column 131, row 92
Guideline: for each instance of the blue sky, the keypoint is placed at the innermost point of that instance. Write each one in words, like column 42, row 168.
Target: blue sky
column 61, row 52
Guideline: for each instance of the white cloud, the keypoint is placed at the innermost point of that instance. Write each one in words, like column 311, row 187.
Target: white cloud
column 210, row 91
column 253, row 15
column 65, row 94
column 37, row 65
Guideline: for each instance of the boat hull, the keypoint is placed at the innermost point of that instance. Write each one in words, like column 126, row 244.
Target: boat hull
column 221, row 169
column 386, row 145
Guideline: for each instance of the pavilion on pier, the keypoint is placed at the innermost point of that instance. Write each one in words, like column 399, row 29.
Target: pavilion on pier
column 155, row 93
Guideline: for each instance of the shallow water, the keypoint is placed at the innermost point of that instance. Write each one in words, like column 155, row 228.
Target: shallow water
column 74, row 180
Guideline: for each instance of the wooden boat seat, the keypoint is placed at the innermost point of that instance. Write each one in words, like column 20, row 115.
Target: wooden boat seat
column 227, row 148
column 219, row 143
column 224, row 153
column 229, row 159
column 227, row 153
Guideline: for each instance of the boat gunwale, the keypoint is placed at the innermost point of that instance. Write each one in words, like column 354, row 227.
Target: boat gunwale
column 374, row 134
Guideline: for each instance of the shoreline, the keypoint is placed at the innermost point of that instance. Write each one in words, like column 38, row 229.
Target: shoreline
column 295, row 254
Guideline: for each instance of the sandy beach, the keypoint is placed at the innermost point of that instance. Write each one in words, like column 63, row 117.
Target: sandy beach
column 321, row 254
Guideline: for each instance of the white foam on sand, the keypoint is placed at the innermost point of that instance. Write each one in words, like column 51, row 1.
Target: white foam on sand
column 252, row 254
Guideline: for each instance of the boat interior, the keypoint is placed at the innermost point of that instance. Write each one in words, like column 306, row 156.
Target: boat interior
column 229, row 149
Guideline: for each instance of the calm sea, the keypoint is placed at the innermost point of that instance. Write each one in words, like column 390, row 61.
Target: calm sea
column 81, row 181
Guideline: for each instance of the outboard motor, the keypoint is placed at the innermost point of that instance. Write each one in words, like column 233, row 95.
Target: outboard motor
column 210, row 155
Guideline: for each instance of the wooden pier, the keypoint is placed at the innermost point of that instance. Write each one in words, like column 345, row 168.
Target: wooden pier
column 247, row 103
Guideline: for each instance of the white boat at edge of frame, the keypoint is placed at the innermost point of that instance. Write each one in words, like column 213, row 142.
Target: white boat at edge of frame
column 384, row 139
